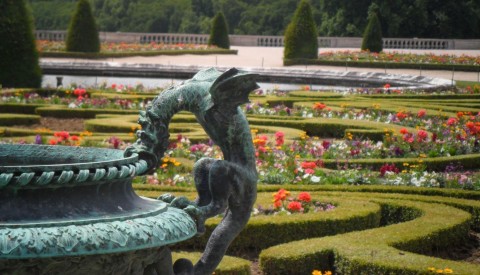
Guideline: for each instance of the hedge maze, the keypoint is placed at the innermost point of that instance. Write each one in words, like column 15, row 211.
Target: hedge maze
column 373, row 229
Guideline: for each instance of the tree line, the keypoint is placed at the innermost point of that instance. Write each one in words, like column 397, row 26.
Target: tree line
column 399, row 18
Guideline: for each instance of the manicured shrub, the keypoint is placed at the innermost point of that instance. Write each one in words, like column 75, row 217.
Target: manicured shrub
column 82, row 33
column 219, row 34
column 372, row 37
column 18, row 54
column 301, row 34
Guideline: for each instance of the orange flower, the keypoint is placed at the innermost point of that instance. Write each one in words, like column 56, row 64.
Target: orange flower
column 281, row 195
column 403, row 131
column 319, row 106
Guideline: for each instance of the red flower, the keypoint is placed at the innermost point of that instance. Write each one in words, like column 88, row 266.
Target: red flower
column 53, row 141
column 79, row 92
column 62, row 135
column 401, row 115
column 305, row 197
column 421, row 113
column 386, row 86
column 294, row 206
column 308, row 165
column 422, row 135
column 326, row 144
column 388, row 168
column 403, row 131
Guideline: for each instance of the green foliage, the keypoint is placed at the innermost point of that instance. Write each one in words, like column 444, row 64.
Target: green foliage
column 18, row 54
column 301, row 34
column 372, row 37
column 438, row 19
column 83, row 34
column 219, row 34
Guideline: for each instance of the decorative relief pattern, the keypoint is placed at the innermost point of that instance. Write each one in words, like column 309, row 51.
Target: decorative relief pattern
column 170, row 226
column 72, row 177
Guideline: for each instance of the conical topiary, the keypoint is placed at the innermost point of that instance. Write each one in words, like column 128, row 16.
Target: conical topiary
column 372, row 37
column 82, row 33
column 219, row 33
column 18, row 54
column 301, row 34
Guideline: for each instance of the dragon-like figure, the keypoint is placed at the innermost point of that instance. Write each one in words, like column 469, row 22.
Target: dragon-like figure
column 224, row 186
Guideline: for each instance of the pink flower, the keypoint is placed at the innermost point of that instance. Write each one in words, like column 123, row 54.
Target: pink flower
column 279, row 138
column 452, row 121
column 309, row 171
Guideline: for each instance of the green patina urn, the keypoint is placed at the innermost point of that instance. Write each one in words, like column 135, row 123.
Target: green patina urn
column 72, row 210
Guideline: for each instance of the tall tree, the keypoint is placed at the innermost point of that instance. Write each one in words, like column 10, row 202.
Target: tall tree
column 372, row 38
column 18, row 54
column 301, row 34
column 219, row 34
column 83, row 34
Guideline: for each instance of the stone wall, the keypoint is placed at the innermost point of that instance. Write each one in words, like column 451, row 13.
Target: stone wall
column 270, row 41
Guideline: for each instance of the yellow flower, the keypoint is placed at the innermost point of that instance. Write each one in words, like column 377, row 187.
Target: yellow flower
column 406, row 164
column 327, row 273
column 439, row 271
column 297, row 156
column 316, row 272
column 432, row 269
column 448, row 270
column 176, row 163
column 164, row 165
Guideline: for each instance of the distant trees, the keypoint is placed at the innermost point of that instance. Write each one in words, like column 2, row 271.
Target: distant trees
column 18, row 54
column 301, row 34
column 400, row 18
column 372, row 37
column 219, row 33
column 82, row 34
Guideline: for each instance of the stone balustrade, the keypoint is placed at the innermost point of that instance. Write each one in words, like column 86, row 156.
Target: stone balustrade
column 271, row 40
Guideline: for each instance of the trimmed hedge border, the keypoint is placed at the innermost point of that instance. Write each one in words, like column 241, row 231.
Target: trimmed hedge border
column 129, row 54
column 383, row 65
column 65, row 112
column 386, row 250
column 349, row 215
column 20, row 108
column 18, row 119
column 422, row 220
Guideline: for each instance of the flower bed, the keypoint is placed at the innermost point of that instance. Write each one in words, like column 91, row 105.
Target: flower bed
column 393, row 60
column 58, row 49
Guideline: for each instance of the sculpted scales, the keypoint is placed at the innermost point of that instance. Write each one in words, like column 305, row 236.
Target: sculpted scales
column 224, row 186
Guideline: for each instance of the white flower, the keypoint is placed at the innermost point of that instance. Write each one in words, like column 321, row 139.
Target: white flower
column 72, row 105
column 315, row 179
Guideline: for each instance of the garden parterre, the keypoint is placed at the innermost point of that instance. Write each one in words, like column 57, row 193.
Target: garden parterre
column 360, row 155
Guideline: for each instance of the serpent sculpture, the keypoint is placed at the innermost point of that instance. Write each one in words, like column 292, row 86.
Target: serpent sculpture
column 224, row 186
